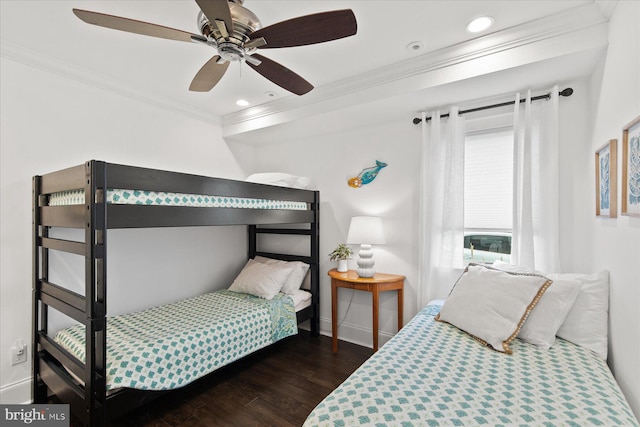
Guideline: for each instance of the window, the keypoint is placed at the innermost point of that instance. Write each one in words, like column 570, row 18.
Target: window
column 488, row 195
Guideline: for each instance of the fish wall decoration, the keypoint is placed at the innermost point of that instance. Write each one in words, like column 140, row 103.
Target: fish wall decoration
column 366, row 175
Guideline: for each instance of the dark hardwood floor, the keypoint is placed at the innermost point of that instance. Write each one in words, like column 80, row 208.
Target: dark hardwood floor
column 277, row 386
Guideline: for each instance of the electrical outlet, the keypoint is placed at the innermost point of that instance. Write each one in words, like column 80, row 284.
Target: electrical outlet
column 19, row 353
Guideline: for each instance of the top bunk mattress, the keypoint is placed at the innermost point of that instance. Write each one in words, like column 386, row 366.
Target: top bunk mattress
column 159, row 198
column 433, row 374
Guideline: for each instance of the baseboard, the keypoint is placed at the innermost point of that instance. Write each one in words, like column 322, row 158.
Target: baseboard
column 16, row 393
column 354, row 334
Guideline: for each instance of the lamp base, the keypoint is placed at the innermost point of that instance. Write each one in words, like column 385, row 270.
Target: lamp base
column 366, row 272
column 365, row 261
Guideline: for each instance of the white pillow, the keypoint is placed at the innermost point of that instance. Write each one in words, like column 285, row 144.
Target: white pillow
column 294, row 281
column 502, row 265
column 301, row 299
column 261, row 280
column 492, row 305
column 547, row 317
column 281, row 179
column 586, row 323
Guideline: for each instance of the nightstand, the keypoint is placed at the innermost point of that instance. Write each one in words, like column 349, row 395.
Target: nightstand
column 380, row 282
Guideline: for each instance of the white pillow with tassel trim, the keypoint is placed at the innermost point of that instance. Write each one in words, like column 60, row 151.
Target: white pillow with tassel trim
column 492, row 305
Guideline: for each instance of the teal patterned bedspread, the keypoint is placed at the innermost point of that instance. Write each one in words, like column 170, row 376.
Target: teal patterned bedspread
column 170, row 346
column 432, row 374
column 163, row 198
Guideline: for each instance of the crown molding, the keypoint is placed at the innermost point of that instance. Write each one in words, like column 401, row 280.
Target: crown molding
column 41, row 61
column 403, row 77
column 323, row 98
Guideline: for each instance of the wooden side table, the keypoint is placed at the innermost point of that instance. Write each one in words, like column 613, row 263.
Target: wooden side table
column 380, row 282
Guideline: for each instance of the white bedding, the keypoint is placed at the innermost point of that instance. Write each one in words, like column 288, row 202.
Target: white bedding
column 301, row 299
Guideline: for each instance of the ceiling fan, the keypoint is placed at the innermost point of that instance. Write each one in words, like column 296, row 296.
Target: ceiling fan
column 236, row 33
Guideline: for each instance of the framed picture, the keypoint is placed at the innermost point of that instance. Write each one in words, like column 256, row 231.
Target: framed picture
column 631, row 168
column 606, row 180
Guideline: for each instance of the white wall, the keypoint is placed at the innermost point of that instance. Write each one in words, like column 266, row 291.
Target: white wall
column 47, row 116
column 587, row 244
column 330, row 160
column 49, row 122
column 615, row 243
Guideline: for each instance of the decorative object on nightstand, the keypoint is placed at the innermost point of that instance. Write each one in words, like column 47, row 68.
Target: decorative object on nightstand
column 341, row 253
column 366, row 231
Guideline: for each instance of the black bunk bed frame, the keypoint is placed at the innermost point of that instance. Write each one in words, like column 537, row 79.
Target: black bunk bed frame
column 90, row 403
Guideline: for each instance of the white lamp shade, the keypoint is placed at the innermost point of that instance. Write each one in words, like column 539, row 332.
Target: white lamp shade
column 367, row 230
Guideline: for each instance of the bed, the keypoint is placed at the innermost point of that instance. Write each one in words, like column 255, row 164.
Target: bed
column 102, row 380
column 172, row 345
column 433, row 373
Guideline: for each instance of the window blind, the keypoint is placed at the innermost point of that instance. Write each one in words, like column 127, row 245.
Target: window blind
column 488, row 180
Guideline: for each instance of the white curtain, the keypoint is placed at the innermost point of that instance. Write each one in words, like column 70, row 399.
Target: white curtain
column 441, row 205
column 535, row 240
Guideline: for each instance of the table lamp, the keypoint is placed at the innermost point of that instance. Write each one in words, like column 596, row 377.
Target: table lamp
column 366, row 231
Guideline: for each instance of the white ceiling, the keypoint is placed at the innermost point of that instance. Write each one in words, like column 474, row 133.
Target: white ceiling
column 532, row 44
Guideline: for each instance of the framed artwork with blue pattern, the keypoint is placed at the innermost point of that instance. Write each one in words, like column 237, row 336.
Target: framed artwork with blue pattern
column 606, row 180
column 631, row 168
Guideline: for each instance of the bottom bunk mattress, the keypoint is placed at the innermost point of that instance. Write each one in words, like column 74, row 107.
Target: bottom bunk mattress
column 167, row 347
column 433, row 374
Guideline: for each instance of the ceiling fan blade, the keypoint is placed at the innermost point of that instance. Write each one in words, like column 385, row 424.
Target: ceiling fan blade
column 280, row 75
column 217, row 10
column 309, row 29
column 134, row 26
column 209, row 75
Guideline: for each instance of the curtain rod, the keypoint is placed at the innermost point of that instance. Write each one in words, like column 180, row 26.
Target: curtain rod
column 566, row 92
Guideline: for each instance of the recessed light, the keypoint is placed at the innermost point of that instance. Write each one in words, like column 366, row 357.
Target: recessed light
column 414, row 46
column 479, row 24
column 242, row 103
column 270, row 94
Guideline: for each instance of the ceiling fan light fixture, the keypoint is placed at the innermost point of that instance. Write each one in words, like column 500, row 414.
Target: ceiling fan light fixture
column 479, row 24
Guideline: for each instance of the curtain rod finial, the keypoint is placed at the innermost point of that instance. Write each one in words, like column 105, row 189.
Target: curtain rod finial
column 416, row 120
column 567, row 92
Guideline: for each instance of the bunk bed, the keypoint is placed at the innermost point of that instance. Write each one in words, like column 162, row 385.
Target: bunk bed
column 98, row 196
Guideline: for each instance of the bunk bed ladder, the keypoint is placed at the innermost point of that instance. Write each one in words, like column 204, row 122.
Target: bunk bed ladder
column 48, row 357
column 40, row 269
column 95, row 291
column 313, row 259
